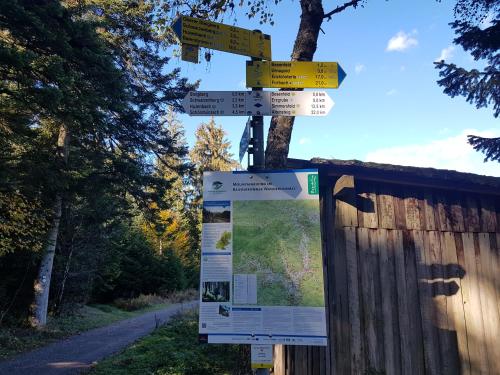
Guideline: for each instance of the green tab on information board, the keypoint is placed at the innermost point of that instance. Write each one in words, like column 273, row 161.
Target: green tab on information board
column 312, row 184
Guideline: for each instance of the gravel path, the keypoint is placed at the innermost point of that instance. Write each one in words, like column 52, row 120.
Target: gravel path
column 78, row 353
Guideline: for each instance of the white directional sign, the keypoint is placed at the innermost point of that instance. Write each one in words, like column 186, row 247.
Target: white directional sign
column 257, row 103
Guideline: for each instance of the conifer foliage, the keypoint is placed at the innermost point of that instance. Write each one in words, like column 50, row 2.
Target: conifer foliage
column 211, row 150
column 84, row 89
column 478, row 34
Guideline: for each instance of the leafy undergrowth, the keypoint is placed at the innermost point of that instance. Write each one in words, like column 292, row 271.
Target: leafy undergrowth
column 14, row 340
column 144, row 301
column 174, row 350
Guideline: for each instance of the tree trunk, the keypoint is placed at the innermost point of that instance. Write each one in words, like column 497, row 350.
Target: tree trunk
column 65, row 277
column 280, row 131
column 42, row 282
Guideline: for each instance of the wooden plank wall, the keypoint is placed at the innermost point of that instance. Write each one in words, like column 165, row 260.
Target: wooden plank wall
column 413, row 283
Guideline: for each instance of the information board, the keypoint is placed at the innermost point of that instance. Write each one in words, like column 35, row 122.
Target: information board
column 261, row 260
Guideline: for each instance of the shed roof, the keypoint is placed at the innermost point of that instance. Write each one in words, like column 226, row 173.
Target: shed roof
column 398, row 174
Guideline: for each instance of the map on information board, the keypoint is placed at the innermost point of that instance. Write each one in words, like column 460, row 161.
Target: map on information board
column 283, row 256
column 261, row 262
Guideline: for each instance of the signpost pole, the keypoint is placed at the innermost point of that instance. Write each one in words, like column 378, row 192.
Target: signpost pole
column 258, row 162
column 194, row 33
column 257, row 125
column 258, row 143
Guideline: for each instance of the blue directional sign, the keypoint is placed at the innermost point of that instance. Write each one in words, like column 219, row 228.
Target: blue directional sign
column 245, row 140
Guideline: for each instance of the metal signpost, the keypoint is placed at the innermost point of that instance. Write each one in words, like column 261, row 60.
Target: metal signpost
column 257, row 130
column 194, row 33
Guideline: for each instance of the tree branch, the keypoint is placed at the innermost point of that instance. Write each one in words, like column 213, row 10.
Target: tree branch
column 442, row 64
column 341, row 8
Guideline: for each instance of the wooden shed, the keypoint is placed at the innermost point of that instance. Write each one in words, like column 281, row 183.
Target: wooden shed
column 412, row 272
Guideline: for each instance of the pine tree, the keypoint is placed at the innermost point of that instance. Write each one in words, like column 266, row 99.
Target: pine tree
column 479, row 86
column 211, row 150
column 91, row 91
column 169, row 230
column 176, row 166
column 210, row 153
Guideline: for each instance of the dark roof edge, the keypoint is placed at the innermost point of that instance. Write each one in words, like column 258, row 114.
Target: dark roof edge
column 398, row 174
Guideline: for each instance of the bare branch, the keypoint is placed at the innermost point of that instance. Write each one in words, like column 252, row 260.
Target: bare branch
column 341, row 8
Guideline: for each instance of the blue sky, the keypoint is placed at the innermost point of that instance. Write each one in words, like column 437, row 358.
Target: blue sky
column 389, row 107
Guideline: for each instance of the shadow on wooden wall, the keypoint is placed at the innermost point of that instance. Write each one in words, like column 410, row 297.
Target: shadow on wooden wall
column 412, row 279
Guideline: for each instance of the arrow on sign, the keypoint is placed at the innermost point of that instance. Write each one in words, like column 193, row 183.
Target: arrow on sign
column 257, row 103
column 213, row 35
column 294, row 74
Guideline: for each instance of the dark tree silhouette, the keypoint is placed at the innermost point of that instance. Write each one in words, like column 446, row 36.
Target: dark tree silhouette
column 479, row 86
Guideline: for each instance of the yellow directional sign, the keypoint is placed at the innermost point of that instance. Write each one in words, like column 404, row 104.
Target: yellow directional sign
column 208, row 34
column 189, row 53
column 294, row 74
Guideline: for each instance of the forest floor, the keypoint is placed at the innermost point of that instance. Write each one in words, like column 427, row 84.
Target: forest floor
column 80, row 352
column 174, row 349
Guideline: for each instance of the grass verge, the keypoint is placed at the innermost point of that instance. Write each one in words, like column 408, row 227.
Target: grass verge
column 15, row 340
column 174, row 350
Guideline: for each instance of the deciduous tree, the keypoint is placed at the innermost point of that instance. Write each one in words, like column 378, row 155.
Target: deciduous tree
column 311, row 18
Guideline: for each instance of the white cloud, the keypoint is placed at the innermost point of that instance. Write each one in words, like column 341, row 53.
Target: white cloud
column 359, row 68
column 446, row 53
column 303, row 141
column 402, row 41
column 391, row 92
column 448, row 153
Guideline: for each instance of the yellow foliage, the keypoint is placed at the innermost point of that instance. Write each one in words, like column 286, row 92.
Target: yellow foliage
column 169, row 233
